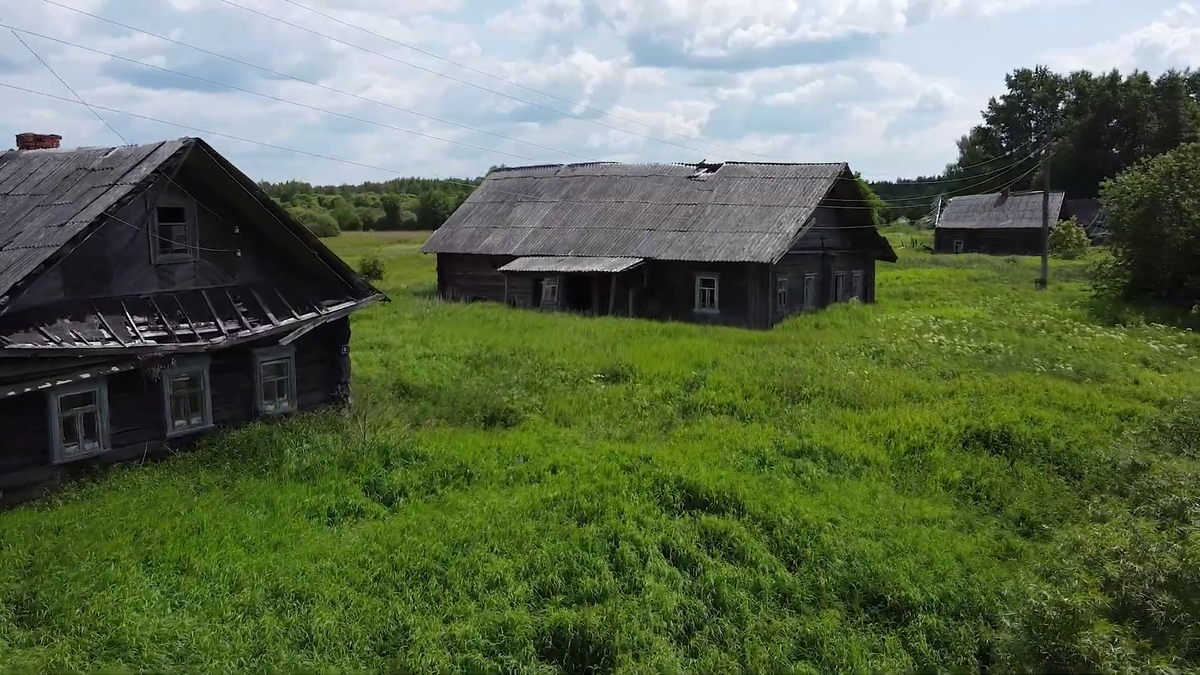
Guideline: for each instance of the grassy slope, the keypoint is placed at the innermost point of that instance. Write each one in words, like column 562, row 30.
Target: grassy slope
column 871, row 487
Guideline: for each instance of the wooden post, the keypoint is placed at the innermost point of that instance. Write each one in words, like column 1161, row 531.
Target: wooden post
column 631, row 301
column 505, row 289
column 612, row 296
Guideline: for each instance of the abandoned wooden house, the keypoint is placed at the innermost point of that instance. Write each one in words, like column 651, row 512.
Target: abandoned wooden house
column 741, row 244
column 148, row 295
column 1090, row 215
column 1000, row 223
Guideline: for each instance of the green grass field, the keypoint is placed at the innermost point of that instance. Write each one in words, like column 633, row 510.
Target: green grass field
column 968, row 474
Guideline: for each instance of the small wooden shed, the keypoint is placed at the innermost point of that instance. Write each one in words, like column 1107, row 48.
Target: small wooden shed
column 149, row 295
column 1000, row 223
column 743, row 244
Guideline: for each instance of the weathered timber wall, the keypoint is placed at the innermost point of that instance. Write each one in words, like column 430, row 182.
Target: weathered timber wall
column 999, row 241
column 115, row 260
column 137, row 419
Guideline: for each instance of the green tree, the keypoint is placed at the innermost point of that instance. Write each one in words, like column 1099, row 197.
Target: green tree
column 346, row 216
column 318, row 222
column 1153, row 219
column 1068, row 239
column 877, row 205
column 371, row 218
column 434, row 208
column 392, row 208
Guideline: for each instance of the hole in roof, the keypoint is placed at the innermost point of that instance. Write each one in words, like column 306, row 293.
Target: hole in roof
column 704, row 170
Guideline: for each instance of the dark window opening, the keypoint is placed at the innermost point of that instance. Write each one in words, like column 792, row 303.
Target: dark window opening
column 171, row 231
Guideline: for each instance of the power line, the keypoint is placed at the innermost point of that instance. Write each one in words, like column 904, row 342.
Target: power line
column 126, row 142
column 394, row 171
column 513, row 83
column 381, row 103
column 371, row 166
column 315, row 108
column 448, row 77
column 365, row 121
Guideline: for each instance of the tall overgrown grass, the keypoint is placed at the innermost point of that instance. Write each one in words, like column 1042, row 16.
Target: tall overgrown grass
column 969, row 474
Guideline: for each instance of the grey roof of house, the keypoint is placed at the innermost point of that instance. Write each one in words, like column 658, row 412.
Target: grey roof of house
column 996, row 211
column 741, row 212
column 47, row 197
column 1087, row 211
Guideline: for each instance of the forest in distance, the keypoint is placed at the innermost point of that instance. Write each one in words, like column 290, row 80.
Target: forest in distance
column 1100, row 124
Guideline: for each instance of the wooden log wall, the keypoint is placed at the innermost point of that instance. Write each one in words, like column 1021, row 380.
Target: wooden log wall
column 137, row 418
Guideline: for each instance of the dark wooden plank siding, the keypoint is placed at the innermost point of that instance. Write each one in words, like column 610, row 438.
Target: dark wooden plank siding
column 116, row 259
column 471, row 277
column 137, row 419
column 998, row 241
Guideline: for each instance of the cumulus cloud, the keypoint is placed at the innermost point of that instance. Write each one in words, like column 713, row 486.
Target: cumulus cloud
column 738, row 34
column 1171, row 41
column 626, row 80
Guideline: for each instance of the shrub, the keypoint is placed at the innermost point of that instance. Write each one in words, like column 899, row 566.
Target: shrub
column 371, row 218
column 1068, row 240
column 1153, row 219
column 319, row 223
column 347, row 217
column 371, row 266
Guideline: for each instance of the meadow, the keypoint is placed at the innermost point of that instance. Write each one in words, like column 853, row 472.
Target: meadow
column 968, row 476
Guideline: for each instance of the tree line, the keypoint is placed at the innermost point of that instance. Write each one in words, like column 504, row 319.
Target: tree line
column 399, row 204
column 1099, row 125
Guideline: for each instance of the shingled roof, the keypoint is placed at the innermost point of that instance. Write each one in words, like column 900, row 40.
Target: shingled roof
column 733, row 212
column 998, row 210
column 47, row 197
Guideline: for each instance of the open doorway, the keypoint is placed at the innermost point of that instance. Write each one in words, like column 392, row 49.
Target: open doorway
column 577, row 293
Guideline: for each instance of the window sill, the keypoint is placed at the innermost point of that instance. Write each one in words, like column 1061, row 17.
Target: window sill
column 77, row 458
column 710, row 312
column 191, row 431
column 274, row 414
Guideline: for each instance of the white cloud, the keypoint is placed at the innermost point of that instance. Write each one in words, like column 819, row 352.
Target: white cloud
column 788, row 79
column 1172, row 41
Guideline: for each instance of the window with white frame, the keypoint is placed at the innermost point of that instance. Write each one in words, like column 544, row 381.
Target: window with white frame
column 187, row 397
column 707, row 293
column 550, row 292
column 781, row 294
column 856, row 285
column 172, row 232
column 810, row 292
column 839, row 287
column 79, row 422
column 958, row 246
column 275, row 376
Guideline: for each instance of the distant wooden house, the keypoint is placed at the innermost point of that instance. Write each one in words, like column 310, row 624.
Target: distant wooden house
column 148, row 295
column 1089, row 214
column 1001, row 223
column 738, row 243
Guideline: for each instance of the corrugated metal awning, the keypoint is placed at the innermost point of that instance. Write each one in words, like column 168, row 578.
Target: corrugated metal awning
column 569, row 264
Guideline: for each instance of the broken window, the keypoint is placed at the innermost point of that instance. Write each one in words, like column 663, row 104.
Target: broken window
column 172, row 234
column 839, row 287
column 958, row 245
column 706, row 294
column 276, row 377
column 80, row 422
column 550, row 292
column 781, row 294
column 856, row 288
column 188, row 398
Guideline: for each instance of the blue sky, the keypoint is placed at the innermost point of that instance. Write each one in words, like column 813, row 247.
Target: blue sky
column 887, row 85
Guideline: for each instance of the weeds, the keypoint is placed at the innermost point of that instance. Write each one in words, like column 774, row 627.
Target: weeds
column 968, row 474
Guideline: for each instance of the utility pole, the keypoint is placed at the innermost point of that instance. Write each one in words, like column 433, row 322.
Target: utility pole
column 1044, row 281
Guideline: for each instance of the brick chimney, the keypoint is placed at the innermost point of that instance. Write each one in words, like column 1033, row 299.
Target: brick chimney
column 28, row 141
